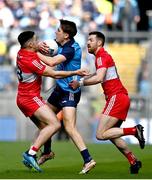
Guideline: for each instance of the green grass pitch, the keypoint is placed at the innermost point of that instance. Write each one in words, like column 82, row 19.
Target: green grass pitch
column 68, row 162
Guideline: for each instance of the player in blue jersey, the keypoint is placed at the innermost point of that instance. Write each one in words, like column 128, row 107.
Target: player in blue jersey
column 64, row 97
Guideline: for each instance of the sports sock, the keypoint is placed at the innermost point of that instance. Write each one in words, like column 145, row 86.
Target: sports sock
column 86, row 156
column 33, row 150
column 131, row 158
column 129, row 131
column 47, row 146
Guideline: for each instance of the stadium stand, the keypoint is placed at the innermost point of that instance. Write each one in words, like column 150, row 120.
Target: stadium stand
column 128, row 58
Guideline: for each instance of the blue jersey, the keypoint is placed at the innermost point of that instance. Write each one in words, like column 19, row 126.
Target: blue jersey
column 72, row 51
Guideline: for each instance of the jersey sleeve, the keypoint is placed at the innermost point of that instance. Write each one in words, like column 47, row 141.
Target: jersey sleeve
column 68, row 52
column 36, row 66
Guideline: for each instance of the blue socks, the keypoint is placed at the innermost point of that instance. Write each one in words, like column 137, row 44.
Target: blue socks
column 86, row 156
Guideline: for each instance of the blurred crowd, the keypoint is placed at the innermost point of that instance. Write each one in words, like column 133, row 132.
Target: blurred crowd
column 42, row 16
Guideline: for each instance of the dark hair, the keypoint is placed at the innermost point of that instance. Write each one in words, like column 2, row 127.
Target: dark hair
column 24, row 37
column 68, row 27
column 99, row 35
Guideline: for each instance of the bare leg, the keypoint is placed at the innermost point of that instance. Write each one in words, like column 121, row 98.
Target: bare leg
column 109, row 129
column 106, row 128
column 47, row 152
column 69, row 119
column 124, row 149
column 47, row 117
column 70, row 126
column 47, row 122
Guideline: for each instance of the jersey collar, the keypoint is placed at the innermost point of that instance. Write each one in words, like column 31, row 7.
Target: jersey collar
column 69, row 43
column 100, row 51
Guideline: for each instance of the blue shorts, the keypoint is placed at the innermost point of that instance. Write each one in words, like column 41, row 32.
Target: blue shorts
column 60, row 98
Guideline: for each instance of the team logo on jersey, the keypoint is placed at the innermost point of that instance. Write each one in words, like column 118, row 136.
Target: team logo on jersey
column 99, row 61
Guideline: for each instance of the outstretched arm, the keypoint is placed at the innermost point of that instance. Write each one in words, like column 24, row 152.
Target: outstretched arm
column 62, row 74
column 96, row 78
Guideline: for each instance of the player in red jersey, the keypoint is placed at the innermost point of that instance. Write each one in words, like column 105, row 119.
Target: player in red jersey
column 29, row 72
column 117, row 101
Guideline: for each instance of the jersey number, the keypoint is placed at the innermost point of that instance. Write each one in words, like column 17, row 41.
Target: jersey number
column 19, row 74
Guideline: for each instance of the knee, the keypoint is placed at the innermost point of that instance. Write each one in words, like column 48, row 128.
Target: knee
column 57, row 125
column 69, row 129
column 100, row 136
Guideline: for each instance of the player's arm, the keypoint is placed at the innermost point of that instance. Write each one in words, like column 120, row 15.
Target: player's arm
column 96, row 78
column 89, row 76
column 48, row 71
column 51, row 61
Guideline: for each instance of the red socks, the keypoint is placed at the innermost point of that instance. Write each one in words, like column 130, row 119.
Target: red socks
column 34, row 148
column 131, row 158
column 129, row 131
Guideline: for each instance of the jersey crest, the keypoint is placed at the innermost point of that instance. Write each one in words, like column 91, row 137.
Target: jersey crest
column 99, row 61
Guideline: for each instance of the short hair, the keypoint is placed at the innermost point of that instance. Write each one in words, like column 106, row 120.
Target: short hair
column 99, row 35
column 24, row 37
column 68, row 27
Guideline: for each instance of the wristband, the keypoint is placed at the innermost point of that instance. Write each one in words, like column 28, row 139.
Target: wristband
column 81, row 82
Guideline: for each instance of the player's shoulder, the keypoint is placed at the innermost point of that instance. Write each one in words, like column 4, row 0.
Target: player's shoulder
column 75, row 44
column 107, row 56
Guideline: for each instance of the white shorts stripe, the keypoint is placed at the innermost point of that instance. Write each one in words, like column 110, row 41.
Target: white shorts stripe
column 71, row 96
column 110, row 105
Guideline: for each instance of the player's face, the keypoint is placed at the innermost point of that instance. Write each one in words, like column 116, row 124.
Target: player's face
column 59, row 35
column 34, row 42
column 92, row 44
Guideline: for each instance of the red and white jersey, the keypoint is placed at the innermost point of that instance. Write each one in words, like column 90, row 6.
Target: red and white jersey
column 111, row 84
column 29, row 71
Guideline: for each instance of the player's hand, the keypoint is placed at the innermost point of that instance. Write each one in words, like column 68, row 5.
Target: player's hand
column 83, row 72
column 74, row 84
column 43, row 47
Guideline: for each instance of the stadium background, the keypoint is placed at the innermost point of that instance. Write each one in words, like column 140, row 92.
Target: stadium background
column 130, row 45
